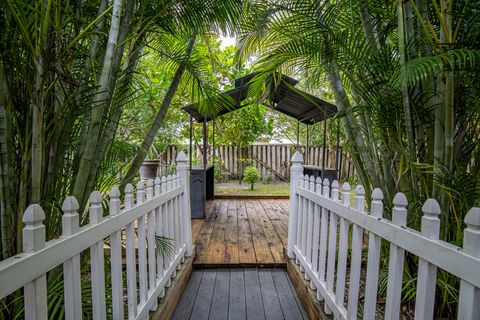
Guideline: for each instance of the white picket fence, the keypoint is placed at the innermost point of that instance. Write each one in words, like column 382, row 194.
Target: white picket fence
column 161, row 208
column 319, row 216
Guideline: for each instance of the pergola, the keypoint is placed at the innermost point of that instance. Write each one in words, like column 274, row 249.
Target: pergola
column 284, row 98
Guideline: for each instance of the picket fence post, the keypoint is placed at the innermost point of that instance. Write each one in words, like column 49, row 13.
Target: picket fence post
column 131, row 257
column 469, row 301
column 34, row 240
column 98, row 261
column 395, row 264
column 427, row 272
column 182, row 170
column 71, row 267
column 295, row 171
column 356, row 260
column 373, row 260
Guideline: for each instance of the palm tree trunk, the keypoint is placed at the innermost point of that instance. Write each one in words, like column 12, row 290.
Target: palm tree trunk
column 162, row 112
column 98, row 107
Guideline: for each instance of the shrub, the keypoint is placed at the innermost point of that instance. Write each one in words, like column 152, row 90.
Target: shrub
column 251, row 176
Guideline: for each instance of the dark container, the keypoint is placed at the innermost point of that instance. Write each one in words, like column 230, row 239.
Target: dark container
column 149, row 169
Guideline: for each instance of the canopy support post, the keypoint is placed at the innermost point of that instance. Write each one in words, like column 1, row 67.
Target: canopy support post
column 337, row 153
column 307, row 151
column 298, row 135
column 324, row 151
column 190, row 154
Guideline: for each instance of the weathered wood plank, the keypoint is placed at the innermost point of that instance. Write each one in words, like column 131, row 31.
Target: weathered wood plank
column 260, row 243
column 218, row 310
column 216, row 247
column 246, row 250
column 271, row 303
column 253, row 295
column 274, row 243
column 231, row 235
column 237, row 309
column 286, row 296
column 203, row 240
column 201, row 307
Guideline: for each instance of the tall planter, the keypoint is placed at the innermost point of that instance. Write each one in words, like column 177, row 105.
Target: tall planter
column 149, row 169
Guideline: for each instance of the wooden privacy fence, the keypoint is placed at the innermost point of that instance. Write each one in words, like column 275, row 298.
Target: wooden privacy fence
column 160, row 209
column 270, row 159
column 320, row 214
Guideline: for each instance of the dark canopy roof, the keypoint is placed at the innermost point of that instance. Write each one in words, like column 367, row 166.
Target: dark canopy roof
column 295, row 103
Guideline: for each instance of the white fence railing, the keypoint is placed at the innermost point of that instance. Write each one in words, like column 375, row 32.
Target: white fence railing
column 320, row 214
column 159, row 209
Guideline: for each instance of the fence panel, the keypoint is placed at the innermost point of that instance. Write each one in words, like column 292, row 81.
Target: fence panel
column 370, row 228
column 271, row 160
column 159, row 204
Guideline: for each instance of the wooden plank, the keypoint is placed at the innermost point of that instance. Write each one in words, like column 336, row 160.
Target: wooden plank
column 203, row 239
column 216, row 247
column 218, row 310
column 306, row 296
column 280, row 225
column 253, row 295
column 184, row 307
column 203, row 301
column 271, row 304
column 260, row 243
column 196, row 228
column 237, row 309
column 173, row 295
column 231, row 235
column 286, row 296
column 274, row 243
column 246, row 250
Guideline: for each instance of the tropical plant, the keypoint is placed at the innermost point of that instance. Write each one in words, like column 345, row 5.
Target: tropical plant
column 251, row 175
column 404, row 76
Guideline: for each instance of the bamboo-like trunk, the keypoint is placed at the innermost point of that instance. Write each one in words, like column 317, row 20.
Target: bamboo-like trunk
column 402, row 49
column 98, row 108
column 113, row 109
column 157, row 123
column 7, row 210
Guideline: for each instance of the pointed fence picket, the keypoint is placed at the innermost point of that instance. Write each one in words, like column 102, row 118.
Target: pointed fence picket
column 340, row 231
column 160, row 209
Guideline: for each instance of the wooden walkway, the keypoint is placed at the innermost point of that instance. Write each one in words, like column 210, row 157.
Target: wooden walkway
column 242, row 233
column 239, row 294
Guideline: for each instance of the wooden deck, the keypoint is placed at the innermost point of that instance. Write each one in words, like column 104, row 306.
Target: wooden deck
column 239, row 294
column 242, row 233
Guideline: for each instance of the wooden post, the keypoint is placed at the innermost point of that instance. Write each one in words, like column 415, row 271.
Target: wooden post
column 342, row 250
column 298, row 227
column 395, row 265
column 151, row 243
column 311, row 206
column 316, row 231
column 295, row 171
column 131, row 257
column 34, row 240
column 142, row 247
column 187, row 222
column 324, row 232
column 116, row 258
column 356, row 260
column 332, row 242
column 159, row 232
column 373, row 260
column 427, row 272
column 98, row 262
column 71, row 267
column 469, row 301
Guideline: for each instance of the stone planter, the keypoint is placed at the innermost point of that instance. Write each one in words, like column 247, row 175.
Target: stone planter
column 149, row 169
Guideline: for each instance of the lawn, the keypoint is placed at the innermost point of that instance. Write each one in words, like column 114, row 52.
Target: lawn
column 233, row 187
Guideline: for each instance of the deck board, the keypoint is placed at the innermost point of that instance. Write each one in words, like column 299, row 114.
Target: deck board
column 239, row 294
column 242, row 232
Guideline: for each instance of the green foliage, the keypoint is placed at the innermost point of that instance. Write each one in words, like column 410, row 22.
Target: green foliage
column 251, row 175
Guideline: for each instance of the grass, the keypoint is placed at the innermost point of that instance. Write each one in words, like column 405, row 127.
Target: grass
column 233, row 187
